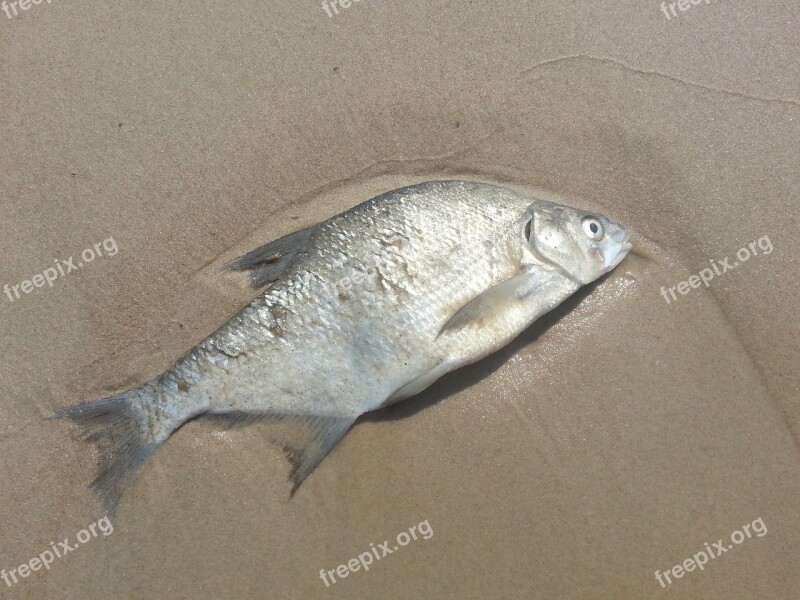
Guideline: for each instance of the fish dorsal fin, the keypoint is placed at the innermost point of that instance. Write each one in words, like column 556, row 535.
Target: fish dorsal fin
column 490, row 304
column 306, row 439
column 269, row 262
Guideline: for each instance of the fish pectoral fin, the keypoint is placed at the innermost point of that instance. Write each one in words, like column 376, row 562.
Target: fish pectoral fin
column 491, row 303
column 269, row 262
column 305, row 439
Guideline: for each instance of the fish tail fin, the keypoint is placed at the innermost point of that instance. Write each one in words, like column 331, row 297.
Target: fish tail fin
column 115, row 425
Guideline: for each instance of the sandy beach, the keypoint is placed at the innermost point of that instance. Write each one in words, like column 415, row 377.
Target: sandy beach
column 621, row 435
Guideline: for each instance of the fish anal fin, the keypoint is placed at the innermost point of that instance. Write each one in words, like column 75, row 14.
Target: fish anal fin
column 269, row 262
column 492, row 303
column 323, row 435
column 305, row 439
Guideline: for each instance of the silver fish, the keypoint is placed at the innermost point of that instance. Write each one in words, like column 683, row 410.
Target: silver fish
column 365, row 309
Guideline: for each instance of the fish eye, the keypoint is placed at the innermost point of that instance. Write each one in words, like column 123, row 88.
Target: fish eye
column 593, row 228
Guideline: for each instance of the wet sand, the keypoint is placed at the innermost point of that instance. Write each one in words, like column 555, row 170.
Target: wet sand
column 614, row 438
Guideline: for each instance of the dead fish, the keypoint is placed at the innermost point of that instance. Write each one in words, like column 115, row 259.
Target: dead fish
column 365, row 309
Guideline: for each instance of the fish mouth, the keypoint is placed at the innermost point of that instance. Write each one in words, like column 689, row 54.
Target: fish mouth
column 626, row 247
column 626, row 244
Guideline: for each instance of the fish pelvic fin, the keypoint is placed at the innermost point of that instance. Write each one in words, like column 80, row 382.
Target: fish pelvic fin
column 424, row 381
column 492, row 303
column 269, row 262
column 305, row 440
column 114, row 426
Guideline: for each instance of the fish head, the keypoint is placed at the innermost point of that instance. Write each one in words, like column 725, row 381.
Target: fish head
column 581, row 244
